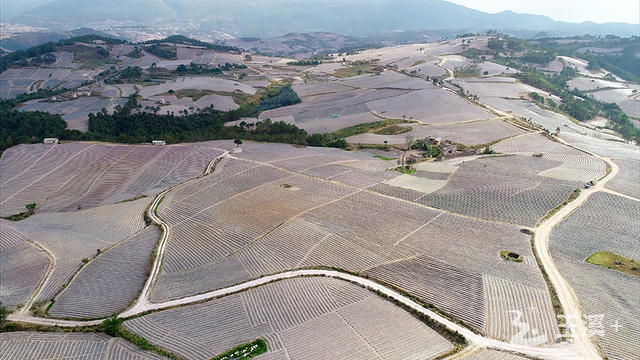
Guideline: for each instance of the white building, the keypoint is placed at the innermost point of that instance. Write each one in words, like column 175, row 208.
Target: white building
column 50, row 141
column 159, row 143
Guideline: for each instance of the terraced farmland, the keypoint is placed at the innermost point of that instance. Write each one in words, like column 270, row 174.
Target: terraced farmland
column 627, row 181
column 74, row 176
column 316, row 113
column 111, row 281
column 534, row 143
column 605, row 223
column 70, row 237
column 431, row 105
column 250, row 224
column 469, row 133
column 305, row 318
column 72, row 346
column 502, row 188
column 22, row 266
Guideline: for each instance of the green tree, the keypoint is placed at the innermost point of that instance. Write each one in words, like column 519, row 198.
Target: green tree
column 31, row 208
column 3, row 314
column 238, row 142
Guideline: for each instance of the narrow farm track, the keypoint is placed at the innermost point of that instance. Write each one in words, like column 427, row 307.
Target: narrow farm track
column 582, row 345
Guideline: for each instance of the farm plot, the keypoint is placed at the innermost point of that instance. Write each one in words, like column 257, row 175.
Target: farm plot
column 469, row 133
column 308, row 318
column 386, row 80
column 627, row 181
column 605, row 223
column 429, row 106
column 614, row 95
column 534, row 143
column 586, row 84
column 632, row 108
column 389, row 55
column 428, row 68
column 22, row 266
column 332, row 111
column 111, row 281
column 497, row 87
column 238, row 232
column 457, row 292
column 546, row 119
column 508, row 302
column 73, row 346
column 581, row 65
column 420, row 184
column 251, row 210
column 319, row 88
column 71, row 176
column 502, row 188
column 581, row 168
column 197, row 83
column 177, row 105
column 70, row 237
column 602, row 147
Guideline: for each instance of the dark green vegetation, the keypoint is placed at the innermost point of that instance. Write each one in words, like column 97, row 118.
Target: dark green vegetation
column 183, row 40
column 355, row 69
column 511, row 256
column 614, row 261
column 31, row 209
column 3, row 316
column 113, row 327
column 131, row 72
column 156, row 47
column 429, row 150
column 196, row 69
column 129, row 126
column 134, row 198
column 383, row 157
column 245, row 351
column 576, row 103
column 28, row 127
column 163, row 51
column 392, row 130
column 276, row 97
column 622, row 62
column 365, row 127
column 469, row 70
column 405, row 169
column 19, row 58
column 306, row 62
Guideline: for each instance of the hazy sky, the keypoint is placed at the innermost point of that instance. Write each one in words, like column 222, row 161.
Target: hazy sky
column 566, row 10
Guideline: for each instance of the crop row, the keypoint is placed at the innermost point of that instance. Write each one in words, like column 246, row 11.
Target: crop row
column 111, row 281
column 34, row 345
column 309, row 318
column 22, row 266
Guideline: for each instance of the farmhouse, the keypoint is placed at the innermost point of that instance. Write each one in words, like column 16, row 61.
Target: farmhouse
column 448, row 151
column 51, row 141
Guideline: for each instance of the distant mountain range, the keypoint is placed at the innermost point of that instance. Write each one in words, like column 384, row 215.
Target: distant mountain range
column 271, row 18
